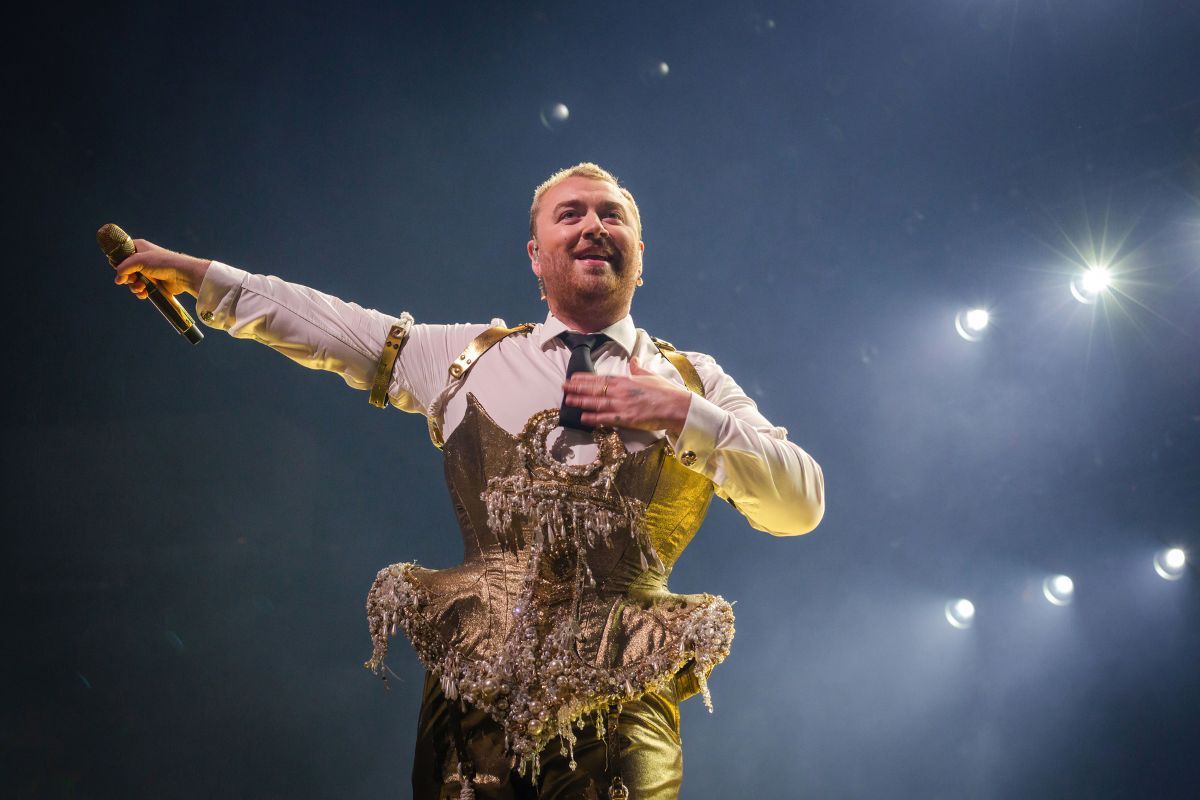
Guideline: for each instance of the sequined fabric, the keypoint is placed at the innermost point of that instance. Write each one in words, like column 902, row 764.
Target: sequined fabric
column 560, row 608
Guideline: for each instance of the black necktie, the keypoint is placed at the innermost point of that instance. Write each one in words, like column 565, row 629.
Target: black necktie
column 582, row 345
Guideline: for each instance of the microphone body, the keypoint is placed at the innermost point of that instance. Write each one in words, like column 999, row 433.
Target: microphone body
column 117, row 246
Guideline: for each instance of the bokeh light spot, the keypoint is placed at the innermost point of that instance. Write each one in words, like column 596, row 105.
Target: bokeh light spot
column 554, row 115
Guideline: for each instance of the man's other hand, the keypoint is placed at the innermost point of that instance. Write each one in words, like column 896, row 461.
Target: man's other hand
column 643, row 400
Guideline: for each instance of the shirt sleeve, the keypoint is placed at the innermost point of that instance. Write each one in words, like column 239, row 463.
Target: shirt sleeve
column 774, row 483
column 320, row 331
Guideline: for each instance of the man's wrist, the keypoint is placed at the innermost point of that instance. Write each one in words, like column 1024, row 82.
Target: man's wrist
column 674, row 427
column 696, row 441
column 196, row 270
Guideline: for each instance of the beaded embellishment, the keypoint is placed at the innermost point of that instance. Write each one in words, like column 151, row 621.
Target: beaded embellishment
column 568, row 506
column 536, row 685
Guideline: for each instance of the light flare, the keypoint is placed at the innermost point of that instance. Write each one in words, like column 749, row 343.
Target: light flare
column 971, row 323
column 960, row 613
column 1170, row 564
column 1059, row 589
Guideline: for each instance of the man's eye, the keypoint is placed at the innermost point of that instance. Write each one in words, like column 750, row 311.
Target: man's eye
column 568, row 214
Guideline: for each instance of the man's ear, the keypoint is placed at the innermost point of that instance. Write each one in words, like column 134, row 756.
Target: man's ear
column 532, row 249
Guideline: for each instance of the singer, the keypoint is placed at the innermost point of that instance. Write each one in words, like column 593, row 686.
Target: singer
column 582, row 454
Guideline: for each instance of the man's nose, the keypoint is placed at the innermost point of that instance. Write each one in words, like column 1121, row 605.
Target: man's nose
column 594, row 226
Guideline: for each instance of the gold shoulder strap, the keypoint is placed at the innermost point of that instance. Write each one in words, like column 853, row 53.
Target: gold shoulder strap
column 691, row 378
column 392, row 346
column 462, row 365
column 480, row 345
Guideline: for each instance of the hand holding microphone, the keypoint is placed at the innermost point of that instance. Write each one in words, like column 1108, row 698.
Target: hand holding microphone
column 155, row 273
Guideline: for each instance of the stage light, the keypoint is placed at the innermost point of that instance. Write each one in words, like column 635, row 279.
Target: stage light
column 554, row 115
column 960, row 613
column 1059, row 589
column 1095, row 280
column 1169, row 563
column 971, row 323
column 654, row 72
column 1091, row 283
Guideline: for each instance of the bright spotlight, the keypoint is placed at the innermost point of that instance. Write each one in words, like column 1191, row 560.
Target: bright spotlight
column 1090, row 284
column 971, row 324
column 960, row 613
column 1059, row 589
column 1169, row 563
column 1096, row 280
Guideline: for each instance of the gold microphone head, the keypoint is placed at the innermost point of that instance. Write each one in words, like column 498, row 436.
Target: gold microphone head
column 115, row 243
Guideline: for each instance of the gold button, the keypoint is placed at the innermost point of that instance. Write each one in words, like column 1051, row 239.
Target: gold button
column 687, row 457
column 207, row 316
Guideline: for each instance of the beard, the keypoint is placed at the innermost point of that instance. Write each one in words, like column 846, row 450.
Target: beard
column 571, row 283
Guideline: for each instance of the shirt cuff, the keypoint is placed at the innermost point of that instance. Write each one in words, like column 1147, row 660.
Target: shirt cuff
column 698, row 439
column 218, row 294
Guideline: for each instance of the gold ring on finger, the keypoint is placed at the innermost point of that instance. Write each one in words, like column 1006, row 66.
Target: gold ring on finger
column 604, row 392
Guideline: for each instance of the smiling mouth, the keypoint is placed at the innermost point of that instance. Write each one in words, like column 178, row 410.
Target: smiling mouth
column 596, row 258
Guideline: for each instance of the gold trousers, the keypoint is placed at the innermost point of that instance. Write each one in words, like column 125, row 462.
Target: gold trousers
column 650, row 760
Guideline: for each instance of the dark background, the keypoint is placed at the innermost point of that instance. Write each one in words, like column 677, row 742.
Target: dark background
column 190, row 532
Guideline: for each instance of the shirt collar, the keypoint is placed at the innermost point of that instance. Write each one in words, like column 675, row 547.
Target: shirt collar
column 622, row 332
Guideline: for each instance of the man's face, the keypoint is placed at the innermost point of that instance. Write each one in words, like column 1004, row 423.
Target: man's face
column 587, row 249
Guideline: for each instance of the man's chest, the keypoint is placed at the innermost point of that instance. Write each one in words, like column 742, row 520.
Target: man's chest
column 512, row 384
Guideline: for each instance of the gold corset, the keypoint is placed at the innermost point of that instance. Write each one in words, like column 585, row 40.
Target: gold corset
column 560, row 608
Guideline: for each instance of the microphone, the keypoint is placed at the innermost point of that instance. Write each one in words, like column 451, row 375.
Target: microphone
column 117, row 246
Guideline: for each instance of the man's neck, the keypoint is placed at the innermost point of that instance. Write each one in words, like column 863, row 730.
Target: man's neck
column 585, row 322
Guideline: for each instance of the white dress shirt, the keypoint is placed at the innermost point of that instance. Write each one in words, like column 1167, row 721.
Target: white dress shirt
column 777, row 486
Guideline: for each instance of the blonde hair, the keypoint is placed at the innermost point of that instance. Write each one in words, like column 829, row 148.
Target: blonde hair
column 585, row 169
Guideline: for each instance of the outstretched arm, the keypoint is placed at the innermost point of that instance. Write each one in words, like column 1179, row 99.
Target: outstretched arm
column 313, row 329
column 316, row 330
